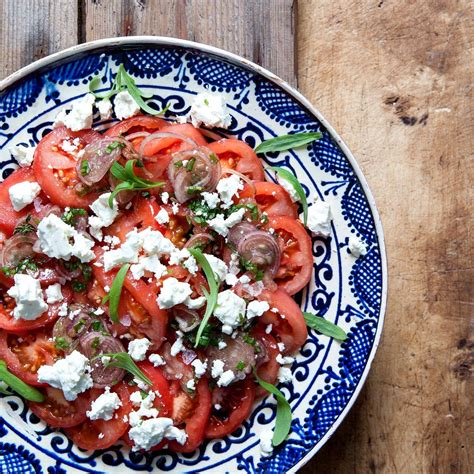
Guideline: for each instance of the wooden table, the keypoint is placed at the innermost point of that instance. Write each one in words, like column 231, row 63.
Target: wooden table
column 395, row 79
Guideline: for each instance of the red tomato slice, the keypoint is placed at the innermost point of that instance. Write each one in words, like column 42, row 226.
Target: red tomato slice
column 9, row 217
column 267, row 371
column 237, row 155
column 297, row 257
column 139, row 123
column 24, row 355
column 193, row 413
column 19, row 326
column 57, row 412
column 236, row 402
column 291, row 329
column 270, row 198
column 86, row 435
column 55, row 169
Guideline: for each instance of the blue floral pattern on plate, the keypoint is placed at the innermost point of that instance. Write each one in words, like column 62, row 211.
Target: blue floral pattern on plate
column 347, row 291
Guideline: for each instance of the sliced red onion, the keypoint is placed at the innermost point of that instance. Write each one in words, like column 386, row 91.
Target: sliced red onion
column 188, row 356
column 199, row 240
column 17, row 248
column 159, row 135
column 132, row 136
column 203, row 176
column 97, row 160
column 175, row 368
column 73, row 326
column 261, row 249
column 239, row 231
column 235, row 352
column 188, row 319
column 68, row 275
column 95, row 343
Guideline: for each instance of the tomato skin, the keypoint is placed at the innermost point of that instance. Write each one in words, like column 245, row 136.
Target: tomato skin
column 238, row 399
column 270, row 198
column 86, row 434
column 24, row 359
column 136, row 124
column 236, row 154
column 48, row 160
column 292, row 329
column 268, row 371
column 297, row 257
column 9, row 217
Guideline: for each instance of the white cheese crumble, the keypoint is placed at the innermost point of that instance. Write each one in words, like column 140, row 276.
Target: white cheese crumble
column 229, row 310
column 211, row 199
column 221, row 345
column 104, row 406
column 104, row 214
column 269, row 328
column 356, row 247
column 138, row 347
column 23, row 154
column 266, row 446
column 319, row 219
column 71, row 375
column 256, row 308
column 209, row 110
column 55, row 240
column 104, row 107
column 225, row 378
column 200, row 367
column 165, row 196
column 175, row 292
column 53, row 293
column 149, row 263
column 191, row 265
column 80, row 114
column 222, row 226
column 228, row 188
column 156, row 360
column 70, row 146
column 162, row 217
column 191, row 385
column 219, row 267
column 28, row 296
column 151, row 432
column 178, row 345
column 125, row 105
column 284, row 375
column 22, row 194
column 289, row 188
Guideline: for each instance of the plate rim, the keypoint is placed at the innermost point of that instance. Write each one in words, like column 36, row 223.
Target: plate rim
column 142, row 40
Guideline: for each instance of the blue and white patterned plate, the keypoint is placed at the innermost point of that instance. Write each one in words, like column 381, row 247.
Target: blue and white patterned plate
column 350, row 292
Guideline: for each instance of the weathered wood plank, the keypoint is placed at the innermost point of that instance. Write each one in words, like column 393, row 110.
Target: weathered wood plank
column 261, row 31
column 32, row 29
column 395, row 79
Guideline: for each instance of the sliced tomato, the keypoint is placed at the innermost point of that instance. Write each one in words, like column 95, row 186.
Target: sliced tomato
column 237, row 155
column 192, row 414
column 270, row 198
column 268, row 370
column 178, row 227
column 86, row 435
column 20, row 326
column 55, row 169
column 57, row 412
column 9, row 217
column 25, row 354
column 291, row 329
column 139, row 123
column 297, row 258
column 236, row 404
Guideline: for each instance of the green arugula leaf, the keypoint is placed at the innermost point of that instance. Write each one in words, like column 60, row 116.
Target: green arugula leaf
column 123, row 361
column 115, row 291
column 291, row 178
column 287, row 142
column 324, row 327
column 211, row 296
column 20, row 387
column 283, row 416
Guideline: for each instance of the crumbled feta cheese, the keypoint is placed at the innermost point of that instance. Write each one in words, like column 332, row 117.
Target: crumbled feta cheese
column 284, row 375
column 173, row 292
column 125, row 105
column 289, row 188
column 191, row 265
column 104, row 406
column 126, row 253
column 256, row 308
column 165, row 196
column 113, row 240
column 162, row 217
column 138, row 347
column 217, row 368
column 28, row 296
column 229, row 310
column 217, row 406
column 231, row 279
column 98, row 311
column 178, row 345
column 156, row 360
column 24, row 193
column 228, row 188
column 23, row 154
column 70, row 374
column 148, row 264
column 104, row 107
column 70, row 146
column 63, row 310
column 319, row 219
column 210, row 110
column 104, row 214
column 221, row 345
column 222, row 226
column 266, row 446
column 191, row 385
column 269, row 328
column 101, row 436
column 199, row 367
column 53, row 293
column 281, row 346
column 218, row 266
column 136, row 398
column 177, row 256
column 284, row 360
column 151, row 432
column 80, row 114
column 175, row 208
column 55, row 236
column 211, row 199
column 357, row 247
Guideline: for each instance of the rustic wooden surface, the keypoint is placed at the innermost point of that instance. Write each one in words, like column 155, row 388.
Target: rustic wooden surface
column 395, row 79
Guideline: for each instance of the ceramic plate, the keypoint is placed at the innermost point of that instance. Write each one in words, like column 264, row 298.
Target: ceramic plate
column 350, row 292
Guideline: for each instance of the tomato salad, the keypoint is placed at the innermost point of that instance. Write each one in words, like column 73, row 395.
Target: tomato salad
column 148, row 275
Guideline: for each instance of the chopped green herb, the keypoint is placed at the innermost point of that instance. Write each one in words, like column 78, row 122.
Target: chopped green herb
column 252, row 268
column 18, row 385
column 208, row 337
column 194, row 189
column 115, row 292
column 240, row 365
column 253, row 208
column 190, row 164
column 325, row 327
column 112, row 146
column 78, row 286
column 206, row 102
column 69, row 217
column 287, row 142
column 202, row 213
column 178, row 164
column 95, row 343
column 28, row 263
column 97, row 326
column 25, row 227
column 85, row 168
column 253, row 342
column 213, row 157
column 60, row 343
column 125, row 362
column 79, row 325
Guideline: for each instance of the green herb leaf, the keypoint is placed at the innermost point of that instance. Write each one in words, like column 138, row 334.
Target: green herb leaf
column 324, row 327
column 69, row 217
column 213, row 290
column 291, row 178
column 287, row 142
column 115, row 291
column 112, row 146
column 20, row 387
column 25, row 227
column 123, row 361
column 283, row 416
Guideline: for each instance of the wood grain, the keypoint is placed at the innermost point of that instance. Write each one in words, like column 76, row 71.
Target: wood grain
column 395, row 79
column 262, row 31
